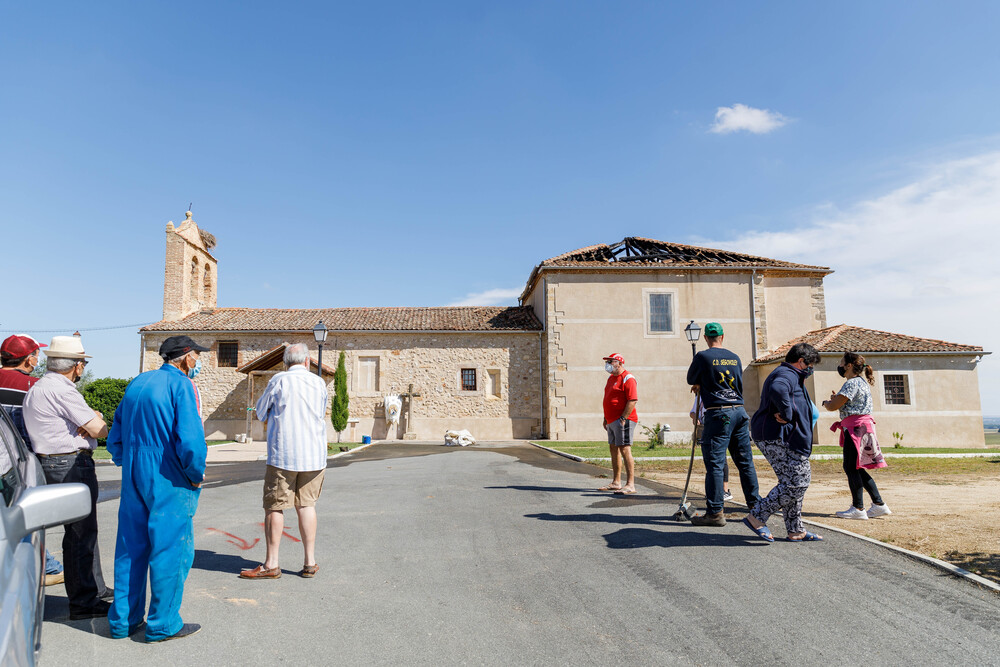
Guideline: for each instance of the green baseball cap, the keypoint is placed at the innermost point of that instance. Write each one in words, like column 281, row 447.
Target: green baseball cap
column 713, row 329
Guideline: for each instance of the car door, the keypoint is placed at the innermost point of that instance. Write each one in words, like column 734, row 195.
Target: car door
column 21, row 562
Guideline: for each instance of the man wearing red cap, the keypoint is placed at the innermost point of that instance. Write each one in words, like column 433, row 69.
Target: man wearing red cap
column 19, row 357
column 621, row 393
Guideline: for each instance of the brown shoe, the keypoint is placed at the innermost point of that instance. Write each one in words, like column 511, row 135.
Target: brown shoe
column 709, row 519
column 261, row 572
column 309, row 571
column 54, row 579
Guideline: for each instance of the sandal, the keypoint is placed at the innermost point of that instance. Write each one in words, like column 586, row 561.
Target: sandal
column 610, row 487
column 808, row 537
column 309, row 571
column 763, row 532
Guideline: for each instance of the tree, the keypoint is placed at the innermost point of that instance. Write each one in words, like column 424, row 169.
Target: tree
column 104, row 395
column 339, row 413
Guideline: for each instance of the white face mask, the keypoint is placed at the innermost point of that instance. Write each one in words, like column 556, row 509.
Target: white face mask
column 608, row 367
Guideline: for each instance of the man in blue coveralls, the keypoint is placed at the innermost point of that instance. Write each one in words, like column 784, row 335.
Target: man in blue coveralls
column 158, row 439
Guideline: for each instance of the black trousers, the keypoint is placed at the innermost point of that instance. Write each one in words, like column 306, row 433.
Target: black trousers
column 81, row 558
column 858, row 478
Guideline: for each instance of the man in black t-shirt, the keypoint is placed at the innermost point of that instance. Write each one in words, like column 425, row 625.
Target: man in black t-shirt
column 716, row 375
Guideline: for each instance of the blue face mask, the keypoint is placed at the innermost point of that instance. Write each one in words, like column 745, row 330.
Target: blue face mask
column 193, row 373
column 806, row 372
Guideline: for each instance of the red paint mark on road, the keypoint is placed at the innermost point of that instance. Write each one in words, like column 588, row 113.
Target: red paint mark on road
column 238, row 541
column 285, row 533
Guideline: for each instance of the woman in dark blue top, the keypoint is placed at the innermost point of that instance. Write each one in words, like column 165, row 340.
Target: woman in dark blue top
column 782, row 428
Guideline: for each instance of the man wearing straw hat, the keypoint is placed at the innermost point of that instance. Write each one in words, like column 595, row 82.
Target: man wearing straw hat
column 64, row 432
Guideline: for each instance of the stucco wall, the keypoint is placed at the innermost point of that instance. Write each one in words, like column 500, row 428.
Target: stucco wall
column 792, row 306
column 431, row 362
column 590, row 315
column 944, row 411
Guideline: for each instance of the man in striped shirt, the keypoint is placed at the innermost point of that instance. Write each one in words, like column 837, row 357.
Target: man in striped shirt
column 294, row 407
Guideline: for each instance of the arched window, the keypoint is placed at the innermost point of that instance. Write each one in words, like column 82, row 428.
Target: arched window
column 194, row 279
column 207, row 299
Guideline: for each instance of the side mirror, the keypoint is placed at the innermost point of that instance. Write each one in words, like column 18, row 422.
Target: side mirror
column 47, row 506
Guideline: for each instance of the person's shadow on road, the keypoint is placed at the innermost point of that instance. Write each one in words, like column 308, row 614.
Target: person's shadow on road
column 216, row 562
column 640, row 538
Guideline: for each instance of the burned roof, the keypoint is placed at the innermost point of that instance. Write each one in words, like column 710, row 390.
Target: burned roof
column 634, row 252
column 637, row 251
column 845, row 338
column 456, row 318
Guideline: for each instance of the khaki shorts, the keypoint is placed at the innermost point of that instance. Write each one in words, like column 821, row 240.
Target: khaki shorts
column 284, row 489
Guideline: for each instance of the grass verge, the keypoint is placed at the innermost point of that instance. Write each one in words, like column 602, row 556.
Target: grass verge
column 597, row 449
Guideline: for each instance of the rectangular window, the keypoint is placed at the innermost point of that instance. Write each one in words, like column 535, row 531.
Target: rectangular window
column 494, row 378
column 468, row 379
column 661, row 317
column 897, row 389
column 228, row 354
column 367, row 374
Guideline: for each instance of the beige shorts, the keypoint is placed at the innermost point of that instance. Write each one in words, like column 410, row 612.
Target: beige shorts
column 284, row 489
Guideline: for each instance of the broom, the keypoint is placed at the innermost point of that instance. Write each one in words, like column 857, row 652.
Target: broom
column 684, row 512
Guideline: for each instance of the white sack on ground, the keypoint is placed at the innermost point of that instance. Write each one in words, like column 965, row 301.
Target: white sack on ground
column 458, row 438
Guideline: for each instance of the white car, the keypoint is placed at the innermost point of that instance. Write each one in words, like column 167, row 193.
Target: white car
column 28, row 507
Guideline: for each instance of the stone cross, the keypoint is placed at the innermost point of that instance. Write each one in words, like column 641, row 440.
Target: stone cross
column 410, row 434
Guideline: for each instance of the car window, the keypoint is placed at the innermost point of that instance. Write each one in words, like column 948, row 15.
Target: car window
column 10, row 480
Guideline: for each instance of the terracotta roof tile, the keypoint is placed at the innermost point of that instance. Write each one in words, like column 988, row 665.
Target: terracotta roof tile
column 844, row 338
column 473, row 318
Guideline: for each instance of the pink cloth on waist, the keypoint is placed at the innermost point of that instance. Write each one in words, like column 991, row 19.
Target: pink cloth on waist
column 861, row 431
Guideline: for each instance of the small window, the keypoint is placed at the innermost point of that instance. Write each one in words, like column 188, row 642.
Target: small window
column 229, row 352
column 367, row 374
column 661, row 318
column 494, row 379
column 897, row 389
column 468, row 379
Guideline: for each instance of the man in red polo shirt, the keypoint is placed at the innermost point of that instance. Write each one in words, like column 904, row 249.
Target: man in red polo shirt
column 621, row 393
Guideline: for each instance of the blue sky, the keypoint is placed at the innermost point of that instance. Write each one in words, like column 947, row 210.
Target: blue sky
column 398, row 153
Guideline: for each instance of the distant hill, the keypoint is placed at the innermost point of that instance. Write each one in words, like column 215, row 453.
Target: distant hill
column 991, row 423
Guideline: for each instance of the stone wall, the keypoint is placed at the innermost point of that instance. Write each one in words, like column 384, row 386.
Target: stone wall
column 190, row 279
column 432, row 362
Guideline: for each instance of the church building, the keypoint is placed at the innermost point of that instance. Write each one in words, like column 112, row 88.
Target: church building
column 535, row 370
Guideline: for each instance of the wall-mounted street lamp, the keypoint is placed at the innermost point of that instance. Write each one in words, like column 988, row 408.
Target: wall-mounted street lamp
column 693, row 333
column 319, row 333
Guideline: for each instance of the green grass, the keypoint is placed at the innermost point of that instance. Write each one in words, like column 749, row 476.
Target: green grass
column 992, row 439
column 898, row 469
column 598, row 449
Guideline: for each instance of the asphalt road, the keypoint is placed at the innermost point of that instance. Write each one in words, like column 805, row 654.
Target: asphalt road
column 506, row 555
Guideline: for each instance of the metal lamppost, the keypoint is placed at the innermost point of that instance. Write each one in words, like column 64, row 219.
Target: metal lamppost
column 319, row 333
column 693, row 333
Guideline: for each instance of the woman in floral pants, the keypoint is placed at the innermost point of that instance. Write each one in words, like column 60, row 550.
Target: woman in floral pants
column 782, row 427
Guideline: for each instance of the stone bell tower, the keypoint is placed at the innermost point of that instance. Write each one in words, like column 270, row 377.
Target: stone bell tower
column 190, row 280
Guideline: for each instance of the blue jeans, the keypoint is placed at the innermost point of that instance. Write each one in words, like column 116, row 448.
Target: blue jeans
column 728, row 429
column 52, row 566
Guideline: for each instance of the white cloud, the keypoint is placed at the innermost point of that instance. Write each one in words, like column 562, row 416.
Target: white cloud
column 741, row 117
column 922, row 260
column 491, row 297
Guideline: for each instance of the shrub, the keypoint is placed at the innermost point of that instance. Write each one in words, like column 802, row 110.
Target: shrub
column 653, row 435
column 104, row 395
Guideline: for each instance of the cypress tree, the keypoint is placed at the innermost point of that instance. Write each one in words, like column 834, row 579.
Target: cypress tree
column 339, row 413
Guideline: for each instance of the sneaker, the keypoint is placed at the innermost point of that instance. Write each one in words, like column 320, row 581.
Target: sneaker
column 853, row 512
column 726, row 496
column 878, row 510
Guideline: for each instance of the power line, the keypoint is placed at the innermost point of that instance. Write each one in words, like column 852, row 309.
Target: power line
column 57, row 330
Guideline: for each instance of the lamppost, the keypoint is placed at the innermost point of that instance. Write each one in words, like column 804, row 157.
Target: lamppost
column 693, row 333
column 319, row 333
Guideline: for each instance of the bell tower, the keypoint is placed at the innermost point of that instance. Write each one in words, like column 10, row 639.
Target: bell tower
column 190, row 278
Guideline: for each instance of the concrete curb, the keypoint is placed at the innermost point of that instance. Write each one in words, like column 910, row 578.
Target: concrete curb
column 948, row 567
column 350, row 451
column 815, row 457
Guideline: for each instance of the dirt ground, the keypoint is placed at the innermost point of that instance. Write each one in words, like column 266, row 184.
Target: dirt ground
column 953, row 517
